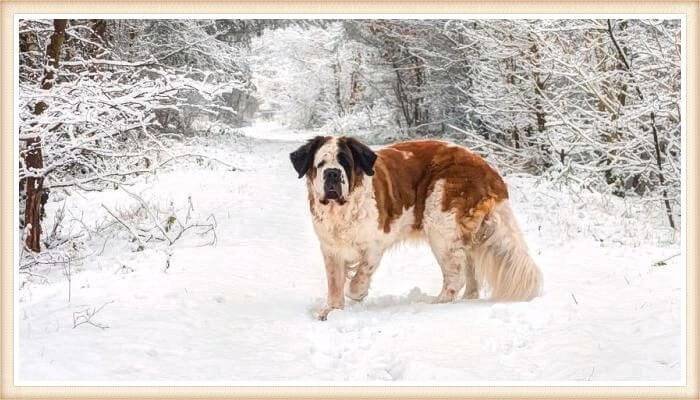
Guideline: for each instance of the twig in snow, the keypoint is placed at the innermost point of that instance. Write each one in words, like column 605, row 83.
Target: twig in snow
column 225, row 164
column 591, row 375
column 34, row 274
column 124, row 269
column 103, row 246
column 85, row 317
column 150, row 214
column 58, row 218
column 173, row 229
column 167, row 260
column 189, row 208
column 574, row 297
column 129, row 228
column 211, row 226
column 68, row 273
column 212, row 229
column 661, row 263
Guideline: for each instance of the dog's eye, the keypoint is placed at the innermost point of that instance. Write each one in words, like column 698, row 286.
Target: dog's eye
column 321, row 164
column 343, row 161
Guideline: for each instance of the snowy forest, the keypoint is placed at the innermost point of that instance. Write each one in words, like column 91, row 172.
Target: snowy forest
column 159, row 217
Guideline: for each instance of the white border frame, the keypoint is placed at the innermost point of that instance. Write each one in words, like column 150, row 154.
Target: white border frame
column 683, row 229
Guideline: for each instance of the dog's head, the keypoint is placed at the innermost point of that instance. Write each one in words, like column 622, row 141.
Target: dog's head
column 334, row 165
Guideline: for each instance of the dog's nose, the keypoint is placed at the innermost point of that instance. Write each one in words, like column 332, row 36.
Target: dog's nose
column 331, row 174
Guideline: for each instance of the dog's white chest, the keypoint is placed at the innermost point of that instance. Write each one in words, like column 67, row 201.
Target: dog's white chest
column 348, row 227
column 340, row 225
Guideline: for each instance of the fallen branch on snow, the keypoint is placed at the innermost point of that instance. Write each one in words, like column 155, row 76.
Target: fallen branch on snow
column 85, row 317
column 661, row 263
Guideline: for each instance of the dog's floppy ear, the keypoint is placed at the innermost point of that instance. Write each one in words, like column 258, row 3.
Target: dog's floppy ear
column 303, row 157
column 363, row 155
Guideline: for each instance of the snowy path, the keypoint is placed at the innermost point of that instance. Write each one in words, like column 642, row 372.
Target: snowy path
column 242, row 310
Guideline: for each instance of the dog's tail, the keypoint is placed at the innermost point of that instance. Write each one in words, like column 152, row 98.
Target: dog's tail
column 502, row 261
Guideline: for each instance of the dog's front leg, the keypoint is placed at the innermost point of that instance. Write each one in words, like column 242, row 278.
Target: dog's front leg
column 335, row 273
column 359, row 285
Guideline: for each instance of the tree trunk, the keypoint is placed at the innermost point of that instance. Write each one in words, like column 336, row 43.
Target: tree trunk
column 419, row 113
column 355, row 85
column 33, row 158
column 336, row 76
column 28, row 47
column 401, row 96
column 539, row 86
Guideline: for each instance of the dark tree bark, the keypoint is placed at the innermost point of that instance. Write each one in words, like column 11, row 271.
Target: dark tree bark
column 338, row 99
column 29, row 48
column 401, row 96
column 33, row 158
column 419, row 112
column 539, row 89
column 355, row 85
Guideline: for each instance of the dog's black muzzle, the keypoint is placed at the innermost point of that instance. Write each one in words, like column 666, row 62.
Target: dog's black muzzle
column 332, row 183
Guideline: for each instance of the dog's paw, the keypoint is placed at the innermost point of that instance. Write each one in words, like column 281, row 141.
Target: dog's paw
column 446, row 296
column 356, row 296
column 357, row 289
column 323, row 314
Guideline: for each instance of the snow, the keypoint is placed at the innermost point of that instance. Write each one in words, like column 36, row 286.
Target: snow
column 243, row 310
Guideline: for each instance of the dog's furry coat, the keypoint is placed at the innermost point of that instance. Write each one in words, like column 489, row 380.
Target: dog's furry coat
column 427, row 190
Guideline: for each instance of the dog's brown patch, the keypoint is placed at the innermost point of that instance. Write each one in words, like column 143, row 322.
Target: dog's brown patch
column 406, row 173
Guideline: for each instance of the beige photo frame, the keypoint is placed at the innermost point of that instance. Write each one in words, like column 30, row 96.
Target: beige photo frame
column 690, row 9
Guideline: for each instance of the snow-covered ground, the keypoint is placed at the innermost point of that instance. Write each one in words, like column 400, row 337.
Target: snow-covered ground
column 243, row 309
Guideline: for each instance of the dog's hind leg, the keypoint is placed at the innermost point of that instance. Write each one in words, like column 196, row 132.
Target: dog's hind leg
column 453, row 262
column 471, row 287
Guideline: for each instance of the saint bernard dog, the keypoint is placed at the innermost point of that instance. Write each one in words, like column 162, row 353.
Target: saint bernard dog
column 364, row 202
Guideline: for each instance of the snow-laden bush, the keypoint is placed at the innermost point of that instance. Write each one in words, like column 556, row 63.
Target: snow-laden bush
column 373, row 123
column 104, row 101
